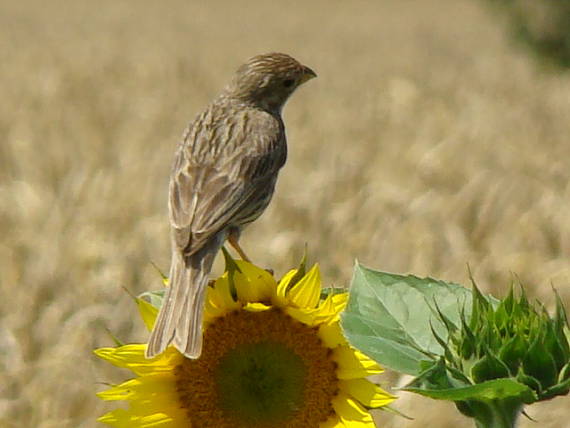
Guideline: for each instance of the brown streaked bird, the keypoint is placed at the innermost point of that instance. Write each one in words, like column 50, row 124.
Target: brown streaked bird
column 222, row 178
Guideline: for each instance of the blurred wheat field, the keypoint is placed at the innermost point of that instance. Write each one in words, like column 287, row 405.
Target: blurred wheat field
column 427, row 143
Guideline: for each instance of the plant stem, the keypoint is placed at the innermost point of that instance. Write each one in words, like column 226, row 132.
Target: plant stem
column 497, row 413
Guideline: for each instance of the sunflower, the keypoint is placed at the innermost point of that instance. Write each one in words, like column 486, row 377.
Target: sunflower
column 273, row 356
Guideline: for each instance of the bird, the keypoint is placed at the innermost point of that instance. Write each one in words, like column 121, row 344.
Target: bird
column 223, row 177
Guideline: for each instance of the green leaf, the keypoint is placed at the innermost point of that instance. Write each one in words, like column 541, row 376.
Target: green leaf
column 389, row 317
column 496, row 389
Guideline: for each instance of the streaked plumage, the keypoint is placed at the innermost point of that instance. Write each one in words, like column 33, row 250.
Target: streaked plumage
column 223, row 177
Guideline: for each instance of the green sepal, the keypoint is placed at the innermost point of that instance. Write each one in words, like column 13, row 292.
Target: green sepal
column 447, row 353
column 301, row 271
column 231, row 267
column 449, row 324
column 480, row 306
column 230, row 264
column 512, row 352
column 564, row 374
column 162, row 275
column 118, row 342
column 390, row 409
column 561, row 388
column 561, row 325
column 489, row 367
column 554, row 345
column 529, row 381
column 155, row 298
column 539, row 364
column 469, row 344
column 331, row 291
column 434, row 377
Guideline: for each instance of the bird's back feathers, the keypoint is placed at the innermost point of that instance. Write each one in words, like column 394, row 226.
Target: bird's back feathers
column 223, row 177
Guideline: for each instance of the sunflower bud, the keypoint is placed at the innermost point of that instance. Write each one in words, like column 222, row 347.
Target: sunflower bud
column 513, row 338
column 490, row 357
column 510, row 339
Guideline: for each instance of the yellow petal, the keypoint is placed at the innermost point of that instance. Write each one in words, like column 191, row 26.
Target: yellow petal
column 366, row 392
column 328, row 308
column 223, row 293
column 339, row 301
column 122, row 418
column 116, row 418
column 306, row 316
column 160, row 387
column 253, row 284
column 327, row 312
column 256, row 307
column 352, row 414
column 148, row 313
column 132, row 357
column 153, row 401
column 332, row 306
column 354, row 364
column 219, row 300
column 307, row 292
column 332, row 422
column 331, row 335
column 284, row 285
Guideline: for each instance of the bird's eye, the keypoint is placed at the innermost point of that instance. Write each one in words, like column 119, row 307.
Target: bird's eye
column 288, row 83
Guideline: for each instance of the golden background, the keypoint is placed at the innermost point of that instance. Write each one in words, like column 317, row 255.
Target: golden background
column 428, row 142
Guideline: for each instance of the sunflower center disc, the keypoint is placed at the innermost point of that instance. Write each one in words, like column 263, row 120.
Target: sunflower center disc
column 261, row 382
column 258, row 370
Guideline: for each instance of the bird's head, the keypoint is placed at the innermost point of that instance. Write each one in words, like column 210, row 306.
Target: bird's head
column 268, row 80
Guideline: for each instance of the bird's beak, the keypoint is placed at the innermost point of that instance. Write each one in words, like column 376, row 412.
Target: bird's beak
column 308, row 74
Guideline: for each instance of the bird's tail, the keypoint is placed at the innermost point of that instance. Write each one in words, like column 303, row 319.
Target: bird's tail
column 180, row 318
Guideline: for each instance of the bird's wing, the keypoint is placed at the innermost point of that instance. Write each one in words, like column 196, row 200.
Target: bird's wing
column 215, row 173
